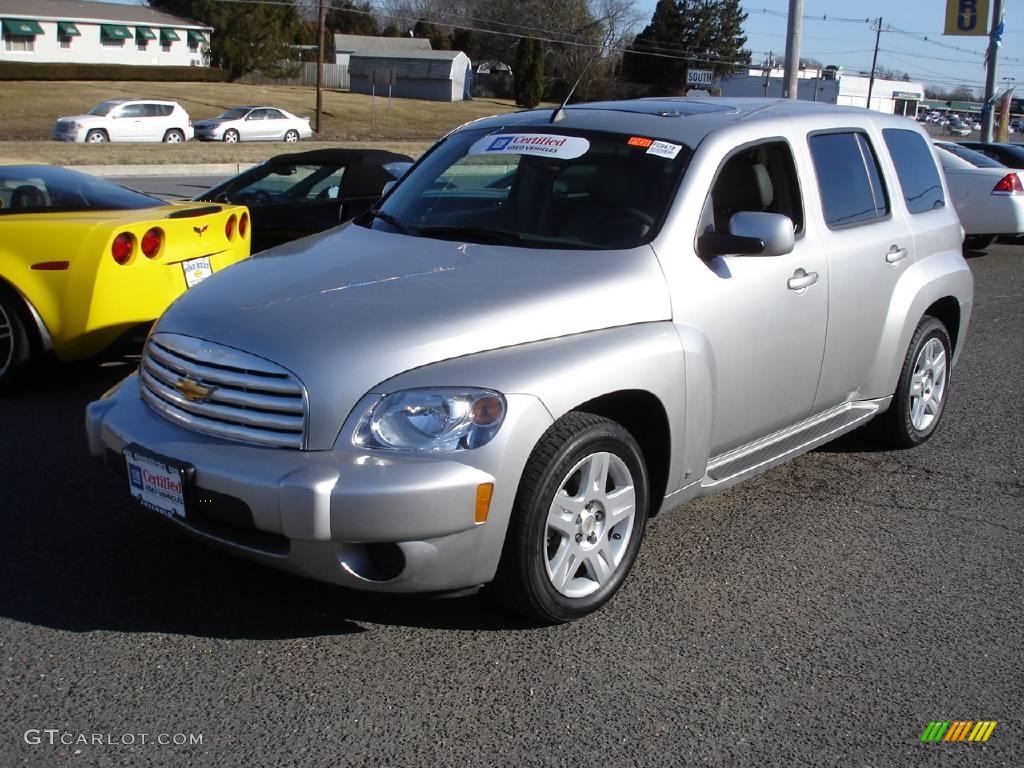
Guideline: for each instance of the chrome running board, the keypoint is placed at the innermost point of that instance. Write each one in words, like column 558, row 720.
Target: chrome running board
column 755, row 457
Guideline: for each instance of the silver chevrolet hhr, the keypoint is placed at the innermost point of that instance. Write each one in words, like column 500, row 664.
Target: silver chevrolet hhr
column 555, row 326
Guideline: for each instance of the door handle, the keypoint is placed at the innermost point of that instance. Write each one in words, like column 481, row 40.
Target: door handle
column 896, row 254
column 801, row 280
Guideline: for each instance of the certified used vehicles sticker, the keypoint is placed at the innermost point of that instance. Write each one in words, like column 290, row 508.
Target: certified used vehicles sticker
column 543, row 144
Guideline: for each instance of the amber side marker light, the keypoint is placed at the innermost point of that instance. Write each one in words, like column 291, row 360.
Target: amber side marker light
column 484, row 491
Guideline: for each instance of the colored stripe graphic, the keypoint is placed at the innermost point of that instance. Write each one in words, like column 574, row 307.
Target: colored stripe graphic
column 958, row 730
column 935, row 730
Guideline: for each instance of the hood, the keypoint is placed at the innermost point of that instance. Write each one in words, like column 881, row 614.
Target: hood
column 352, row 307
column 210, row 122
column 83, row 118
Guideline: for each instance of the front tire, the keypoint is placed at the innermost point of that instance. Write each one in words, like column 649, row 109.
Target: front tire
column 15, row 343
column 174, row 136
column 923, row 388
column 96, row 136
column 231, row 136
column 577, row 523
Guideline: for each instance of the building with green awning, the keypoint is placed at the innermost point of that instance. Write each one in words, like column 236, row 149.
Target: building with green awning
column 66, row 31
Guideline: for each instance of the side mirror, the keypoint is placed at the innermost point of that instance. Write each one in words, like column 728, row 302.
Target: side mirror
column 387, row 187
column 750, row 234
column 773, row 229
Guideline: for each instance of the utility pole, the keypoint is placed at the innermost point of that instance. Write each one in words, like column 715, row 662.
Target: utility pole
column 794, row 28
column 989, row 110
column 768, row 70
column 320, row 64
column 874, row 61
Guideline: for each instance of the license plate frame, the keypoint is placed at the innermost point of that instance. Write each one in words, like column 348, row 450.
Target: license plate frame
column 196, row 270
column 152, row 479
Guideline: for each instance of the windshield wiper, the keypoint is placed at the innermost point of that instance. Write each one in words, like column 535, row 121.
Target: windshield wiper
column 470, row 232
column 394, row 222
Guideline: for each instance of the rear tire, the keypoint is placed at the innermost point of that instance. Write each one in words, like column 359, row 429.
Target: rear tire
column 174, row 136
column 923, row 388
column 577, row 522
column 15, row 342
column 96, row 136
column 291, row 136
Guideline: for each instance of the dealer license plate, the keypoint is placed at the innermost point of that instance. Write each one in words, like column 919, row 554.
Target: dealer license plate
column 156, row 484
column 196, row 270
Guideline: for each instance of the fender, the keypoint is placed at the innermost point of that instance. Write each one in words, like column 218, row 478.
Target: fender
column 41, row 292
column 921, row 285
column 563, row 374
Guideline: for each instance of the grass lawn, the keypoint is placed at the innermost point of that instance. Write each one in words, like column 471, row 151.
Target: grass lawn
column 29, row 109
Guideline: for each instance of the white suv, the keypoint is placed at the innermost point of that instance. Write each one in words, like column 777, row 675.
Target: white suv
column 127, row 120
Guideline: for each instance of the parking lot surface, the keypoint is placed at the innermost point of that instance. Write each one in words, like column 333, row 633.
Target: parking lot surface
column 821, row 614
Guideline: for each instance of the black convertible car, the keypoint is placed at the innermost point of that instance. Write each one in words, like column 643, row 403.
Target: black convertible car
column 301, row 193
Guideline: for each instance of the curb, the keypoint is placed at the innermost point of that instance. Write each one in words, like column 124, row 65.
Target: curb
column 205, row 169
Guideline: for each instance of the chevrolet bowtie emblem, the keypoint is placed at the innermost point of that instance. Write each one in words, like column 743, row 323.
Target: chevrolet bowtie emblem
column 199, row 230
column 192, row 390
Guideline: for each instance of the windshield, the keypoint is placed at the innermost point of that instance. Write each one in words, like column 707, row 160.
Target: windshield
column 45, row 189
column 103, row 108
column 234, row 114
column 538, row 187
column 976, row 159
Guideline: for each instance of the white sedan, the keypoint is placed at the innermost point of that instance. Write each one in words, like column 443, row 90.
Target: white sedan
column 254, row 124
column 988, row 196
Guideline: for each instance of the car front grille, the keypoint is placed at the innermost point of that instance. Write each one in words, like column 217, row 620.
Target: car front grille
column 65, row 126
column 222, row 391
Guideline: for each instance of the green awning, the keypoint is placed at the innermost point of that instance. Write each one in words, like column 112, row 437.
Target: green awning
column 115, row 32
column 196, row 37
column 22, row 27
column 168, row 36
column 144, row 33
column 67, row 29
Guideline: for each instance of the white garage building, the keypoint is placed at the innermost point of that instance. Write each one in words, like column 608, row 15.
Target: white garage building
column 830, row 85
column 70, row 31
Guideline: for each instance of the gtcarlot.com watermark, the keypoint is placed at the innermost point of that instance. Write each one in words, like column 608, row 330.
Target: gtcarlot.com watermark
column 56, row 737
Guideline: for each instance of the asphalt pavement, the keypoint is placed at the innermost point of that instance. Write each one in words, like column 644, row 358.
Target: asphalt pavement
column 819, row 615
column 170, row 188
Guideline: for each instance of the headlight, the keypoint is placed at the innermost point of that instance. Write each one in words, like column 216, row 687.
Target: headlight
column 444, row 419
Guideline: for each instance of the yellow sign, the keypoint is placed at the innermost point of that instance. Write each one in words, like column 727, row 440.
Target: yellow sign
column 966, row 17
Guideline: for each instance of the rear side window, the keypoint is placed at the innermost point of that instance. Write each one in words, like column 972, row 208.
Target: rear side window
column 915, row 167
column 849, row 179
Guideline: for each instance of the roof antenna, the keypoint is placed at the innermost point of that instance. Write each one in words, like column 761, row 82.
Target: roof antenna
column 559, row 114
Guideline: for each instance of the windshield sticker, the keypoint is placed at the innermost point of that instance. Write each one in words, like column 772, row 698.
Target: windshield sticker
column 543, row 144
column 664, row 149
column 639, row 141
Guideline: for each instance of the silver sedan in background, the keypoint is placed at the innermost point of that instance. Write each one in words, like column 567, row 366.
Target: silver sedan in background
column 254, row 124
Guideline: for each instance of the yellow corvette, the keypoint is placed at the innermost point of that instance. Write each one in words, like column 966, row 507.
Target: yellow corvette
column 84, row 261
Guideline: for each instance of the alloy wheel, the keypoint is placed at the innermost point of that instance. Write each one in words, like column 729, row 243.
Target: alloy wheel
column 928, row 385
column 6, row 341
column 589, row 524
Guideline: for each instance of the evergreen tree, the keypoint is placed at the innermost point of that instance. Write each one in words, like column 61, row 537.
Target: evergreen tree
column 467, row 41
column 438, row 38
column 528, row 72
column 664, row 35
column 245, row 37
column 351, row 18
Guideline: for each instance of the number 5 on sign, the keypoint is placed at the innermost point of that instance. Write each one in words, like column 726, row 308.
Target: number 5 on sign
column 966, row 17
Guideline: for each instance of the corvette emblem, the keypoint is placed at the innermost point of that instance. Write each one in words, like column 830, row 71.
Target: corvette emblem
column 193, row 391
column 199, row 230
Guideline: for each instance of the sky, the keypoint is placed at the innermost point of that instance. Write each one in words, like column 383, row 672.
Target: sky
column 850, row 44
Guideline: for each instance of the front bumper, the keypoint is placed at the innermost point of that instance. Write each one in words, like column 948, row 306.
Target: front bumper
column 334, row 515
column 209, row 134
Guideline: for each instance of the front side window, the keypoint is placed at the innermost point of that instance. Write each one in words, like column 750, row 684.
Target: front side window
column 915, row 167
column 759, row 179
column 539, row 188
column 849, row 179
